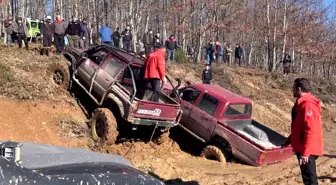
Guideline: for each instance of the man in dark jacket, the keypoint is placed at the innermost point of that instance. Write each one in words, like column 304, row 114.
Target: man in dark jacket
column 171, row 46
column 74, row 32
column 116, row 38
column 148, row 42
column 207, row 75
column 59, row 31
column 157, row 41
column 47, row 31
column 286, row 64
column 9, row 31
column 22, row 33
column 85, row 40
column 210, row 51
column 127, row 38
column 306, row 130
column 238, row 55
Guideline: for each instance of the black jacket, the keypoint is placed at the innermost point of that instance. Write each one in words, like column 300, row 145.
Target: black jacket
column 171, row 44
column 47, row 28
column 74, row 28
column 238, row 52
column 207, row 75
column 157, row 42
column 116, row 35
column 127, row 35
column 147, row 39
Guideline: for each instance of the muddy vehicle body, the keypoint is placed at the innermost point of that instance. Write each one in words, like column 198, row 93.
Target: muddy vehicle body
column 222, row 120
column 110, row 77
column 32, row 163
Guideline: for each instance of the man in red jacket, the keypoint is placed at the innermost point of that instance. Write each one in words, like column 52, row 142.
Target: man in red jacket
column 155, row 71
column 306, row 131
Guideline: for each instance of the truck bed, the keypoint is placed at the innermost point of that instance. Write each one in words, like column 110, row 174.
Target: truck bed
column 275, row 140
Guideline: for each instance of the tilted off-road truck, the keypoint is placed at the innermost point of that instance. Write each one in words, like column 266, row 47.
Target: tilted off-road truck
column 110, row 77
column 222, row 121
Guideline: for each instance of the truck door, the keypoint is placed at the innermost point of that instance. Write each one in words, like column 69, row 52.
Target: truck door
column 110, row 69
column 203, row 116
column 89, row 65
column 189, row 96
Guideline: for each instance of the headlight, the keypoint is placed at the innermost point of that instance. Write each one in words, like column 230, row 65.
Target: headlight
column 11, row 151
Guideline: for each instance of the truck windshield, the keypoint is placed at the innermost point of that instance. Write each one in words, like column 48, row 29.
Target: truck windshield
column 238, row 110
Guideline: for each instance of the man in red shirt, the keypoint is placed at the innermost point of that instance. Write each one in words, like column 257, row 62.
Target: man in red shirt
column 306, row 131
column 155, row 71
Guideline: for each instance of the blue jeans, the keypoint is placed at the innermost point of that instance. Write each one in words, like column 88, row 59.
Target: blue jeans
column 9, row 40
column 171, row 54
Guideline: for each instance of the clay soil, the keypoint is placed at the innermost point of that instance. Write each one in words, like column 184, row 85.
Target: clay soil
column 33, row 109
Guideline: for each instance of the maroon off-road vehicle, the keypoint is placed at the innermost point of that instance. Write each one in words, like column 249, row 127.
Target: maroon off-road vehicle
column 222, row 120
column 110, row 76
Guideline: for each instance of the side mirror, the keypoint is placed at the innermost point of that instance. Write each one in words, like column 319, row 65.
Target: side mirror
column 181, row 94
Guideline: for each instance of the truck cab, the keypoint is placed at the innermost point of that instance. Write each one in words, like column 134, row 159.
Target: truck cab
column 222, row 120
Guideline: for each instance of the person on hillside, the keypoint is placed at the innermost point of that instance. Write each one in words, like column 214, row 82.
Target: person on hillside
column 238, row 55
column 59, row 31
column 47, row 30
column 9, row 31
column 219, row 51
column 171, row 46
column 157, row 40
column 22, row 33
column 85, row 39
column 106, row 34
column 155, row 71
column 306, row 136
column 287, row 62
column 73, row 32
column 229, row 52
column 148, row 42
column 210, row 51
column 127, row 38
column 116, row 38
column 207, row 75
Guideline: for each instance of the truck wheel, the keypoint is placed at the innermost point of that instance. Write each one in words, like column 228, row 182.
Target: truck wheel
column 59, row 75
column 104, row 126
column 214, row 152
column 163, row 138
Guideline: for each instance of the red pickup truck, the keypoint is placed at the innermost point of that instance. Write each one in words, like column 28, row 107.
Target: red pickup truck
column 222, row 120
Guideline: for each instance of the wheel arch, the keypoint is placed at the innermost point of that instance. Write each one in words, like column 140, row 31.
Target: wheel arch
column 115, row 105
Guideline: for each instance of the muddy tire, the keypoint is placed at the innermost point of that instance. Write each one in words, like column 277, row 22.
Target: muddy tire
column 59, row 74
column 104, row 128
column 214, row 152
column 163, row 138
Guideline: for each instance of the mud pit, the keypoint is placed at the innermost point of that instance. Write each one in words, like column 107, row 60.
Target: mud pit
column 51, row 116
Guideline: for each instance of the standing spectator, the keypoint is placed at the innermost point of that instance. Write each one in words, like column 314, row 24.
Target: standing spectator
column 116, row 38
column 74, row 32
column 306, row 130
column 155, row 71
column 47, row 31
column 59, row 31
column 85, row 40
column 210, row 51
column 106, row 34
column 238, row 55
column 207, row 75
column 287, row 62
column 127, row 38
column 148, row 42
column 22, row 33
column 229, row 53
column 190, row 51
column 157, row 40
column 219, row 52
column 171, row 46
column 9, row 32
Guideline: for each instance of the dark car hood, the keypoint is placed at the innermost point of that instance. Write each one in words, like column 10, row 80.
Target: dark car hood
column 52, row 165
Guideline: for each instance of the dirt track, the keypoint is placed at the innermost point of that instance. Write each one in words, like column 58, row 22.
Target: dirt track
column 55, row 118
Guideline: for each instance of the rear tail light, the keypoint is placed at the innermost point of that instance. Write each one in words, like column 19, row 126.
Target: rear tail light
column 262, row 157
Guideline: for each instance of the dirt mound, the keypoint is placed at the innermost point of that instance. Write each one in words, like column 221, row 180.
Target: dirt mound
column 23, row 75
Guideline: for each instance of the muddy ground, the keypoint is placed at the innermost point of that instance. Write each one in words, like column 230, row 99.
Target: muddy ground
column 34, row 109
